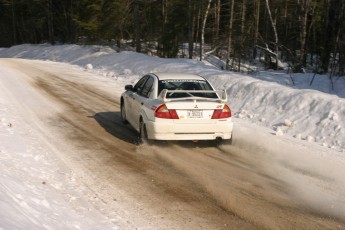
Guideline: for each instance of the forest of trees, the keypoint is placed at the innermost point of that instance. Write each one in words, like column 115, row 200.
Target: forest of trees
column 307, row 34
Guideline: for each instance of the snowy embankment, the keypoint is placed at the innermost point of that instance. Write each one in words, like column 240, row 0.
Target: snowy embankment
column 312, row 113
column 36, row 190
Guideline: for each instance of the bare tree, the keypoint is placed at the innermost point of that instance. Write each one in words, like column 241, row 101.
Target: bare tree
column 305, row 8
column 165, row 10
column 137, row 20
column 217, row 20
column 256, row 32
column 231, row 19
column 50, row 21
column 242, row 38
column 276, row 41
column 190, row 30
column 202, row 33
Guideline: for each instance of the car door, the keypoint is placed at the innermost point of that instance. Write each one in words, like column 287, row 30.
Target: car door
column 140, row 98
column 131, row 105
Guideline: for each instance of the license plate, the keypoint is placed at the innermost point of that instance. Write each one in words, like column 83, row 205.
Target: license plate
column 194, row 114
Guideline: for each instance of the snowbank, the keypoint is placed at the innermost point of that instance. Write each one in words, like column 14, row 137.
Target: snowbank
column 313, row 113
column 36, row 191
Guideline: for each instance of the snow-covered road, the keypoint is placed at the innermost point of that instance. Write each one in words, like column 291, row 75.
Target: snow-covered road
column 67, row 162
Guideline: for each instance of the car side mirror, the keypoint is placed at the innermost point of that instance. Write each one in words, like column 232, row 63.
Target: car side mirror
column 129, row 87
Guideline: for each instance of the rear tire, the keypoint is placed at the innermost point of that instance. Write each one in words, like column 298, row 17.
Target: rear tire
column 143, row 134
column 223, row 142
column 123, row 113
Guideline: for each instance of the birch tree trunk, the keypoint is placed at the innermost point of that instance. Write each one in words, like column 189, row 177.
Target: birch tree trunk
column 256, row 32
column 137, row 27
column 217, row 20
column 164, row 10
column 190, row 30
column 305, row 9
column 231, row 19
column 202, row 33
column 275, row 33
column 243, row 19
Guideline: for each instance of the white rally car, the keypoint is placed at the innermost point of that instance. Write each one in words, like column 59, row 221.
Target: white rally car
column 176, row 106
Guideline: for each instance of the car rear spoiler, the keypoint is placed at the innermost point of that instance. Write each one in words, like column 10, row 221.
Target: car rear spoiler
column 222, row 96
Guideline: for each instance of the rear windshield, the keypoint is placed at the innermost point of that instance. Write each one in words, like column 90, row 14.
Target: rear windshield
column 186, row 84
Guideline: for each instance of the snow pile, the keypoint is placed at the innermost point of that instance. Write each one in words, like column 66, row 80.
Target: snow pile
column 36, row 193
column 305, row 113
column 267, row 98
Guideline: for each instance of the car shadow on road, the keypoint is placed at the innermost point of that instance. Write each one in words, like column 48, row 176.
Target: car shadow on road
column 111, row 122
column 195, row 144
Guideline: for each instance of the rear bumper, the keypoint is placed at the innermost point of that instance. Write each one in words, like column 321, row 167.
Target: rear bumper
column 175, row 131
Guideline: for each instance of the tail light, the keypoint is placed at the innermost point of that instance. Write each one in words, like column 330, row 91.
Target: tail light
column 163, row 112
column 222, row 113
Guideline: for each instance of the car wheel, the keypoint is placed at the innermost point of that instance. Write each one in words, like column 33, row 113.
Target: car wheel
column 123, row 114
column 223, row 142
column 143, row 134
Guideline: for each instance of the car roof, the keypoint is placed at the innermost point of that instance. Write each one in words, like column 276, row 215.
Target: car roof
column 165, row 76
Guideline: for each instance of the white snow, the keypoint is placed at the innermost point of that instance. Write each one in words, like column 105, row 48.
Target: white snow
column 266, row 98
column 36, row 192
column 311, row 114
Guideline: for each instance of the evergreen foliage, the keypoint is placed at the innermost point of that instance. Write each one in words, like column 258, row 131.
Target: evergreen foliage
column 306, row 33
